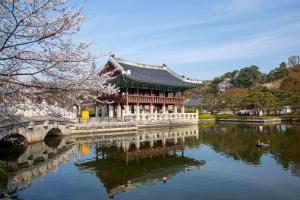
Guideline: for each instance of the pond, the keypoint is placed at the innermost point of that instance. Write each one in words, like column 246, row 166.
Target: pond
column 209, row 161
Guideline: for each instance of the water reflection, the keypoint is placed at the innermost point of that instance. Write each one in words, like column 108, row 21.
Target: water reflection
column 125, row 163
column 237, row 141
column 35, row 163
column 120, row 160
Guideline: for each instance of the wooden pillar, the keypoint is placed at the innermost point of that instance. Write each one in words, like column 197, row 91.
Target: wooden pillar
column 138, row 94
column 126, row 96
column 119, row 111
column 138, row 104
column 126, row 106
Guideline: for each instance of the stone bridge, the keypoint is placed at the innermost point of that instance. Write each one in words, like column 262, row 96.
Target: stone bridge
column 35, row 129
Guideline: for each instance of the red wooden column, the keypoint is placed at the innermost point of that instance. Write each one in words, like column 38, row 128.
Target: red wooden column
column 126, row 97
column 164, row 103
column 138, row 93
column 138, row 102
column 151, row 103
column 126, row 102
column 181, row 100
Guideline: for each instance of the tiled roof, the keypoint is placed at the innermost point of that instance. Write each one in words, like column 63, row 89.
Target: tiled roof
column 154, row 74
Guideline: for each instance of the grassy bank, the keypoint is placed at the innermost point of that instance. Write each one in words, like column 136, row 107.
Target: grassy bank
column 287, row 117
column 206, row 116
column 3, row 176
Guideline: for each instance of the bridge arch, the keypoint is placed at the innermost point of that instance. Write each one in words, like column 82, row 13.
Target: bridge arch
column 12, row 146
column 54, row 132
column 53, row 137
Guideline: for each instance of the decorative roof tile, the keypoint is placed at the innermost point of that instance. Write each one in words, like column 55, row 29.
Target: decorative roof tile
column 154, row 74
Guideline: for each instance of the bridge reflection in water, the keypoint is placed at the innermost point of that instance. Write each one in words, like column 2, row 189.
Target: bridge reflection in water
column 122, row 161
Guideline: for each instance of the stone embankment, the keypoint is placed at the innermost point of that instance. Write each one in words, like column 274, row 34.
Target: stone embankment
column 252, row 120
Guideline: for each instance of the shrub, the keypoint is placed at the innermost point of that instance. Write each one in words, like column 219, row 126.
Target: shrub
column 206, row 116
column 3, row 177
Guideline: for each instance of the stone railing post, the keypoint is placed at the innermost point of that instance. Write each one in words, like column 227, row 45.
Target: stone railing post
column 182, row 109
column 110, row 111
column 119, row 111
column 97, row 112
column 143, row 116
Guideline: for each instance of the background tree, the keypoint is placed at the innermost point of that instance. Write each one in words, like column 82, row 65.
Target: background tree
column 285, row 98
column 232, row 99
column 211, row 102
column 247, row 77
column 292, row 81
column 293, row 60
column 202, row 89
column 278, row 73
column 38, row 57
column 260, row 101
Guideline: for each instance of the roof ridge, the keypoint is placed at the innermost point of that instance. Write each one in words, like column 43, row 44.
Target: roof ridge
column 150, row 66
column 161, row 67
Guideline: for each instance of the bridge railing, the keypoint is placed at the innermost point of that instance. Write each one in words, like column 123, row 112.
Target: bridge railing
column 103, row 125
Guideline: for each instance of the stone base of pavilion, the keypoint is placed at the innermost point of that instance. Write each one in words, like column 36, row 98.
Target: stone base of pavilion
column 132, row 122
column 142, row 115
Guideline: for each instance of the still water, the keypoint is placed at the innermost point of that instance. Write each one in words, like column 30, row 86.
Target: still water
column 213, row 161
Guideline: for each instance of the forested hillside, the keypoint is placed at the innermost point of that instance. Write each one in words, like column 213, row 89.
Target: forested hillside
column 239, row 89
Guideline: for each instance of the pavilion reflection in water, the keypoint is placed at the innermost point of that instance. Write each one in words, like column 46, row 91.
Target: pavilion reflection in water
column 126, row 162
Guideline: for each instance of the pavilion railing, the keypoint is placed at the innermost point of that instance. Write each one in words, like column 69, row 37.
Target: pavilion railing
column 154, row 99
column 163, row 117
column 144, row 99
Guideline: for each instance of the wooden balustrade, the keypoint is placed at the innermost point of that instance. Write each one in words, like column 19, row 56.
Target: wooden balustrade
column 133, row 99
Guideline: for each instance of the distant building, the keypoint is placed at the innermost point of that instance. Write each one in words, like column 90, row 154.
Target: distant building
column 193, row 102
column 286, row 110
column 226, row 84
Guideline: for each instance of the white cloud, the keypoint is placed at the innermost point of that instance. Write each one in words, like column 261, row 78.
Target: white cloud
column 262, row 44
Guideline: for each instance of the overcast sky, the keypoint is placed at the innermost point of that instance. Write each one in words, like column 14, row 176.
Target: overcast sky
column 197, row 38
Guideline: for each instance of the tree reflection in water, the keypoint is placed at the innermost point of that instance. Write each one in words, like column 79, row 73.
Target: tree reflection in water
column 124, row 161
column 238, row 141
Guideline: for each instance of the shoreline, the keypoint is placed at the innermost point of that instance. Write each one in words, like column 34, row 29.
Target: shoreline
column 253, row 120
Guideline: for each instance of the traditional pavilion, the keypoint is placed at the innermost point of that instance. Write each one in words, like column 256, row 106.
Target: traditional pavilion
column 143, row 88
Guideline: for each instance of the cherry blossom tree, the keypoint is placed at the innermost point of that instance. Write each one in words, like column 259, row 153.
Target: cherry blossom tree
column 40, row 60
